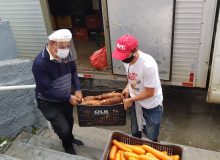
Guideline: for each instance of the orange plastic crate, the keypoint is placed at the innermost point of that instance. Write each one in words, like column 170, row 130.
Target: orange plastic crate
column 80, row 34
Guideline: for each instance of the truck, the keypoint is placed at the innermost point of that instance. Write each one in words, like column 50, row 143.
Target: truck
column 181, row 35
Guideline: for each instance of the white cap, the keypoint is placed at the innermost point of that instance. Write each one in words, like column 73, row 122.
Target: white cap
column 62, row 35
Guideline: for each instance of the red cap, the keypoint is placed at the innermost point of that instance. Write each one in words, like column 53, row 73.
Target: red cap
column 124, row 46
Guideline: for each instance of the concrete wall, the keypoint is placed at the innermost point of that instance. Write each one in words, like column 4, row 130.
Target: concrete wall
column 18, row 111
column 8, row 46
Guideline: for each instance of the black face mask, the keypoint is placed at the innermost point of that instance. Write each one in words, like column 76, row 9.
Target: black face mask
column 128, row 60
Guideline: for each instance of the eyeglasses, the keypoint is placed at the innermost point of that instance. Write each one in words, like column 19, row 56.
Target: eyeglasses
column 64, row 47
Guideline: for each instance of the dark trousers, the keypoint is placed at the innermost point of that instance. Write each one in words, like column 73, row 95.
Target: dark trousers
column 60, row 115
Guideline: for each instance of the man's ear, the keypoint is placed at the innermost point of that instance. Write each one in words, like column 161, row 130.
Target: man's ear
column 136, row 52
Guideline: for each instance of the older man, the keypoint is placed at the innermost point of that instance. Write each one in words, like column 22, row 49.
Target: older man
column 54, row 72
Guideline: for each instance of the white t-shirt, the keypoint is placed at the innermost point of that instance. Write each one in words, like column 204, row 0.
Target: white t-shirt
column 144, row 73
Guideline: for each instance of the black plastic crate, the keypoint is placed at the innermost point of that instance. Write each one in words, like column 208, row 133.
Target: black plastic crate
column 92, row 34
column 80, row 7
column 100, row 40
column 59, row 7
column 101, row 115
column 125, row 138
column 78, row 21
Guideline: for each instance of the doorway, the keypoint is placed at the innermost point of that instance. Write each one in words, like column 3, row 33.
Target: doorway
column 84, row 20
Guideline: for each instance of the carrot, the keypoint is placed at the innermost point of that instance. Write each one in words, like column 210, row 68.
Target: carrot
column 122, row 157
column 132, row 158
column 156, row 153
column 117, row 156
column 151, row 155
column 137, row 146
column 144, row 157
column 175, row 157
column 134, row 149
column 130, row 154
column 115, row 142
column 165, row 152
column 120, row 151
column 113, row 152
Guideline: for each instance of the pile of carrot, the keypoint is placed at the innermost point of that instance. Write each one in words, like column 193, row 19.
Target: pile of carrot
column 122, row 151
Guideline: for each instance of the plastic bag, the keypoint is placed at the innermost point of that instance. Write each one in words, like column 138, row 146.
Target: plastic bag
column 99, row 59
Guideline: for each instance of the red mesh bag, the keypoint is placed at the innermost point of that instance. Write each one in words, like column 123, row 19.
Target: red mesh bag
column 98, row 59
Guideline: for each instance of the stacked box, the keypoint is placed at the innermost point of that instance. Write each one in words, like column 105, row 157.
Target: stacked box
column 80, row 34
column 64, row 21
column 78, row 21
column 92, row 34
column 93, row 22
column 59, row 7
column 80, row 7
column 100, row 40
column 54, row 22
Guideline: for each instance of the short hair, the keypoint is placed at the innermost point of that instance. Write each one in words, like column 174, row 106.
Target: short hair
column 134, row 50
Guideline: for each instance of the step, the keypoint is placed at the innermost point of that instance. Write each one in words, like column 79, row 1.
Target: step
column 26, row 151
column 90, row 141
column 92, row 132
column 55, row 144
column 5, row 157
column 23, row 137
column 89, row 132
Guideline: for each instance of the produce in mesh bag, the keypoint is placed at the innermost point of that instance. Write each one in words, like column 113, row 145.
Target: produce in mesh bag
column 110, row 101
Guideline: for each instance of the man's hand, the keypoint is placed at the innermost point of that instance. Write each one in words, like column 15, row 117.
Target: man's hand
column 125, row 93
column 127, row 103
column 73, row 100
column 79, row 95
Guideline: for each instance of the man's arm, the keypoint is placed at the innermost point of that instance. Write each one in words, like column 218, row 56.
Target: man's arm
column 75, row 78
column 148, row 93
column 75, row 81
column 125, row 92
column 150, row 82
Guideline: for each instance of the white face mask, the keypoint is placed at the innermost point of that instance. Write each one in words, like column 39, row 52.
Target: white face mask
column 62, row 53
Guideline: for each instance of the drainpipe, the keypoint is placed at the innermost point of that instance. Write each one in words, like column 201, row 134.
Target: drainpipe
column 11, row 88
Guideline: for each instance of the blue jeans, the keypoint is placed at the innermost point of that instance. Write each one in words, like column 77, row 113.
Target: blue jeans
column 152, row 117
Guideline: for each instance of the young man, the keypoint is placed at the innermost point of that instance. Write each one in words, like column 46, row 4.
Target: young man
column 144, row 87
column 54, row 71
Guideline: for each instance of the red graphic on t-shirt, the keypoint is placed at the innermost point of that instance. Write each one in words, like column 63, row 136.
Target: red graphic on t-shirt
column 132, row 76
